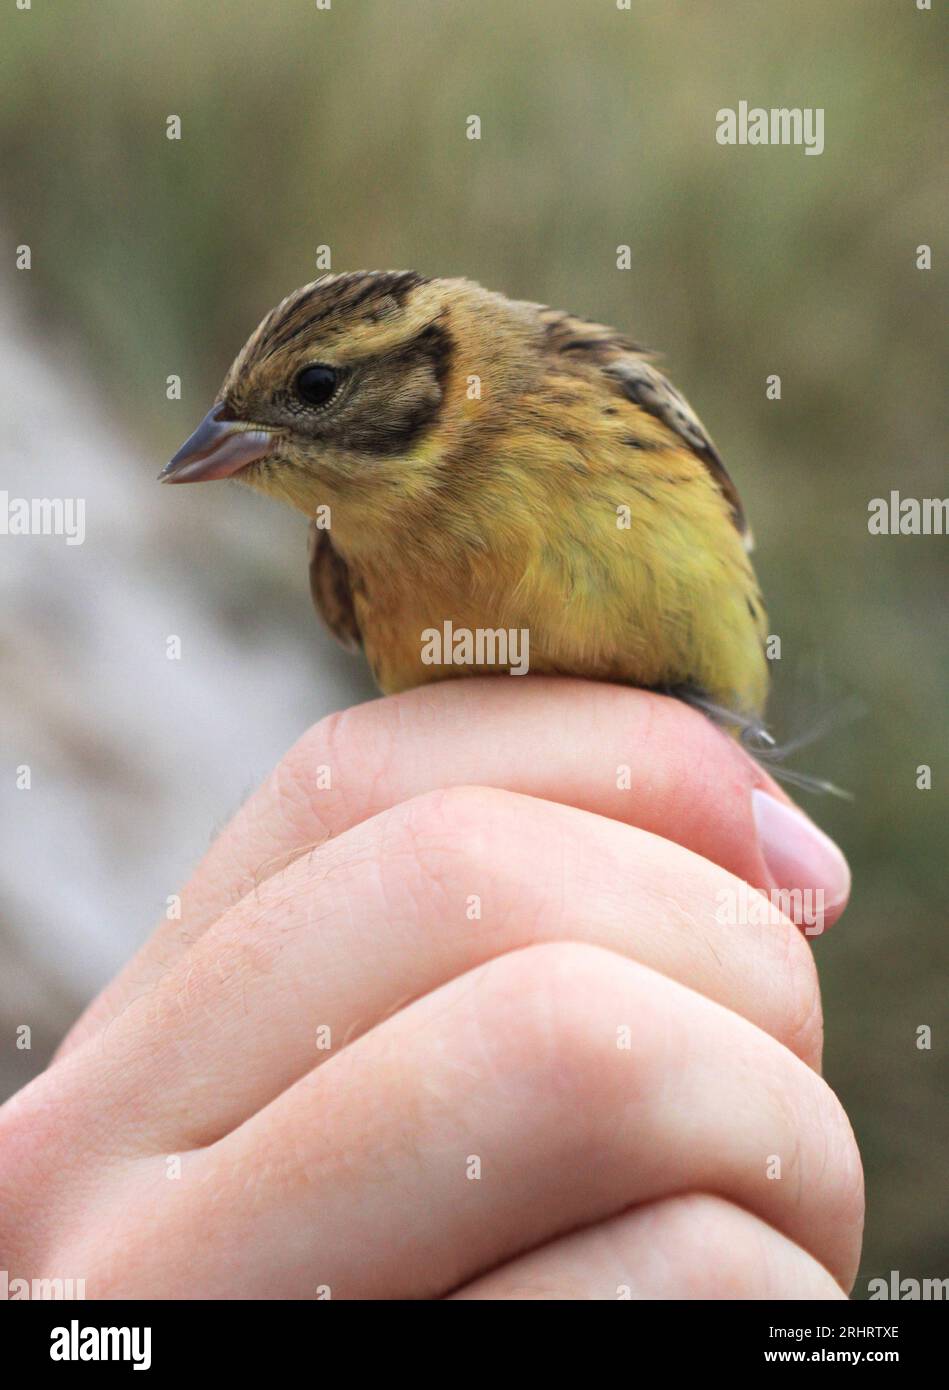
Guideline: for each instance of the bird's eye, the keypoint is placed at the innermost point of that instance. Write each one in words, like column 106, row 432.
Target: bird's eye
column 316, row 385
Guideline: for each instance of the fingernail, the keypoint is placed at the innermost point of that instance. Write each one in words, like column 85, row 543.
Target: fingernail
column 797, row 854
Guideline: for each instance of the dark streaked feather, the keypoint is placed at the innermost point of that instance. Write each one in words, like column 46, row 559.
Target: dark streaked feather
column 331, row 589
column 362, row 294
column 649, row 389
column 628, row 365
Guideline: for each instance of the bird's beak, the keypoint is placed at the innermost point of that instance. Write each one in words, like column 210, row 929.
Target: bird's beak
column 218, row 448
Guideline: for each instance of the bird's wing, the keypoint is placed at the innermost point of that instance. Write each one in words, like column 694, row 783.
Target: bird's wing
column 628, row 366
column 649, row 389
column 331, row 589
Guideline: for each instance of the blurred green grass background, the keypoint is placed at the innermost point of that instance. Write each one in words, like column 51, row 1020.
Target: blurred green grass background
column 304, row 127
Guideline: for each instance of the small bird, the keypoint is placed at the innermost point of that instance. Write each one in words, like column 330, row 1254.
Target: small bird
column 493, row 465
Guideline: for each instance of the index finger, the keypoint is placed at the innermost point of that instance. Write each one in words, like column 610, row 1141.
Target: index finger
column 644, row 759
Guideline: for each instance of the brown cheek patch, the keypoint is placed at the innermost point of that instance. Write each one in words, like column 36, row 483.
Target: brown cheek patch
column 399, row 397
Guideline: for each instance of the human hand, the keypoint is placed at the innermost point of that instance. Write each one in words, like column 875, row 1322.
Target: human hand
column 550, row 1070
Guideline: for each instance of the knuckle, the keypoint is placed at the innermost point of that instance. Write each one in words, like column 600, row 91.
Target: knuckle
column 323, row 744
column 452, row 829
column 444, row 846
column 729, row 1253
column 720, row 1242
column 333, row 771
column 803, row 1027
column 828, row 1161
column 848, row 1166
column 553, row 1010
column 841, row 1179
column 456, row 808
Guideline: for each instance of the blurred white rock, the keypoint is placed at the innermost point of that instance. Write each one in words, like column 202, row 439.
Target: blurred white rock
column 135, row 760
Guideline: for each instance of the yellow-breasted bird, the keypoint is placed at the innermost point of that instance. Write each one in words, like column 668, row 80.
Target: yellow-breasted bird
column 497, row 465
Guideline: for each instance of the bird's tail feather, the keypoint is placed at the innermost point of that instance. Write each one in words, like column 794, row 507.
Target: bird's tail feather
column 753, row 734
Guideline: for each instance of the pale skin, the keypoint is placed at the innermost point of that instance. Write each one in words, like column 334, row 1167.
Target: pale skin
column 474, row 1130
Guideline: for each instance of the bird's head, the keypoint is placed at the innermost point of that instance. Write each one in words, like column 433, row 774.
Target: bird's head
column 352, row 390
